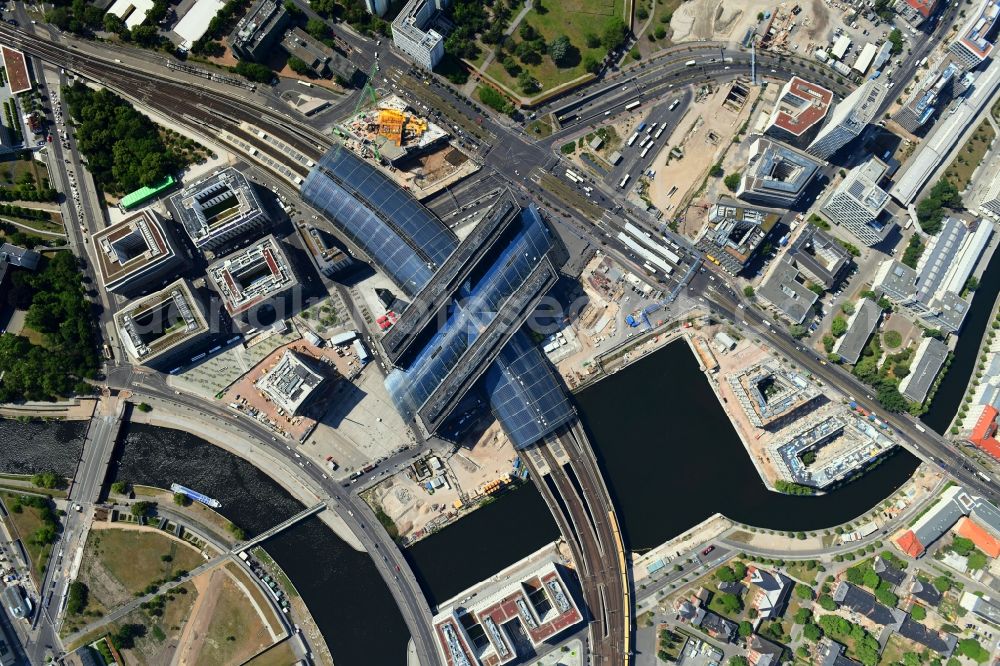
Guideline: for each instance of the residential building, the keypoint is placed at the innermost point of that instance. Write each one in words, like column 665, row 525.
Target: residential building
column 915, row 12
column 952, row 504
column 136, row 253
column 925, row 592
column 849, row 119
column 926, row 98
column 932, row 292
column 819, row 256
column 785, row 289
column 985, row 606
column 863, row 602
column 291, row 384
column 983, row 539
column 772, row 396
column 860, row 327
column 974, row 42
column 413, row 35
column 990, row 206
column 734, row 233
column 848, row 441
column 770, row 592
column 319, row 58
column 776, row 174
column 762, row 652
column 259, row 30
column 718, row 627
column 218, row 208
column 936, row 148
column 509, row 623
column 162, row 330
column 259, row 274
column 927, row 362
column 799, row 113
column 984, row 433
column 831, row 653
column 887, row 572
column 940, row 643
column 857, row 202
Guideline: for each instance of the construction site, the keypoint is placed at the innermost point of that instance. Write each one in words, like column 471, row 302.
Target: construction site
column 436, row 490
column 415, row 152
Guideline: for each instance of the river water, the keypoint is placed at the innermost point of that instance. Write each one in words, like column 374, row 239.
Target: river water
column 39, row 446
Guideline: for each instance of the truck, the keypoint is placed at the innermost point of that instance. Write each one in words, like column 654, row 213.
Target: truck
column 690, row 63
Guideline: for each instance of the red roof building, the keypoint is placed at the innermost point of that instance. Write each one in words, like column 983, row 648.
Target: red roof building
column 910, row 544
column 799, row 113
column 984, row 433
column 977, row 534
column 923, row 7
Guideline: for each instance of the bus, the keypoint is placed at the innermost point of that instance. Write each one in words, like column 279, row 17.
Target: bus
column 674, row 105
column 984, row 477
column 644, row 151
column 305, row 83
column 649, row 130
column 621, row 185
column 645, row 140
column 641, row 127
column 632, row 139
column 632, row 105
column 690, row 63
column 573, row 177
column 659, row 132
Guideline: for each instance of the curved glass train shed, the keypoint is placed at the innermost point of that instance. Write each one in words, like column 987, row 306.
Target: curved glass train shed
column 401, row 237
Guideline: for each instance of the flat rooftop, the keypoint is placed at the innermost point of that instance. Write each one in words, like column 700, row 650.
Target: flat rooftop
column 767, row 392
column 217, row 204
column 131, row 247
column 250, row 276
column 535, row 607
column 801, row 106
column 979, row 32
column 159, row 323
column 17, row 70
column 290, row 383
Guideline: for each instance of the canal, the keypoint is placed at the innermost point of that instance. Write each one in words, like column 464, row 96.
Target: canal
column 341, row 586
column 952, row 389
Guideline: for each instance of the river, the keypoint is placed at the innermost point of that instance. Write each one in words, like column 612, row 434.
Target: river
column 29, row 447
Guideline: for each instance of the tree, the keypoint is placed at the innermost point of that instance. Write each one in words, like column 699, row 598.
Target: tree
column 962, row 546
column 739, row 569
column 748, row 291
column 977, row 560
column 298, row 65
column 125, row 637
column 972, row 283
column 614, row 33
column 660, row 32
column 942, row 583
column 970, row 647
column 76, row 600
column 726, row 574
column 716, row 171
column 144, row 407
column 827, row 603
column 896, row 39
column 918, row 612
column 495, row 100
column 526, row 82
column 798, row 331
column 119, row 487
column 803, row 592
column 559, row 49
column 253, row 71
column 47, row 480
column 737, row 660
column 114, row 24
column 732, row 181
column 745, row 629
column 591, row 64
column 914, row 249
column 729, row 603
column 892, row 339
column 142, row 509
column 803, row 616
column 812, row 632
column 838, row 326
column 180, row 499
column 317, row 28
column 146, row 35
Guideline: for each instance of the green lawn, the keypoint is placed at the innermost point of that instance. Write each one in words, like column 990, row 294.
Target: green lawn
column 960, row 170
column 25, row 524
column 662, row 11
column 573, row 18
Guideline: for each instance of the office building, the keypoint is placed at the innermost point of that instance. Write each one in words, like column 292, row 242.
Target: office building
column 799, row 113
column 259, row 274
column 218, row 209
column 509, row 623
column 915, row 12
column 848, row 442
column 772, row 396
column 734, row 233
column 413, row 34
column 858, row 201
column 377, row 7
column 259, row 30
column 984, row 433
column 786, row 289
column 291, row 383
column 860, row 327
column 933, row 92
column 776, row 174
column 932, row 153
column 819, row 256
column 136, row 253
column 411, row 246
column 974, row 42
column 319, row 58
column 952, row 504
column 990, row 206
column 849, row 119
column 163, row 329
column 933, row 292
column 329, row 258
column 927, row 362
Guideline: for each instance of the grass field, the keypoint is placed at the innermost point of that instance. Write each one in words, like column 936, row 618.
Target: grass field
column 960, row 170
column 799, row 571
column 279, row 655
column 573, row 18
column 133, row 558
column 257, row 594
column 25, row 524
column 235, row 632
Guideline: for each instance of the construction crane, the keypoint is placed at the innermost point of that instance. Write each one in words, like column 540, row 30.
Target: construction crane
column 370, row 91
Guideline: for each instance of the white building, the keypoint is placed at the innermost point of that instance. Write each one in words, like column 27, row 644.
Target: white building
column 975, row 41
column 413, row 36
column 857, row 202
column 849, row 119
column 290, row 383
column 990, row 207
column 377, row 7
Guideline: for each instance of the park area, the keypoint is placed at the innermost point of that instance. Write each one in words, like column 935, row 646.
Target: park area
column 960, row 171
column 531, row 63
column 32, row 519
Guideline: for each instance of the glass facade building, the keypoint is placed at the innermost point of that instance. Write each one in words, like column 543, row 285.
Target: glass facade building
column 403, row 239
